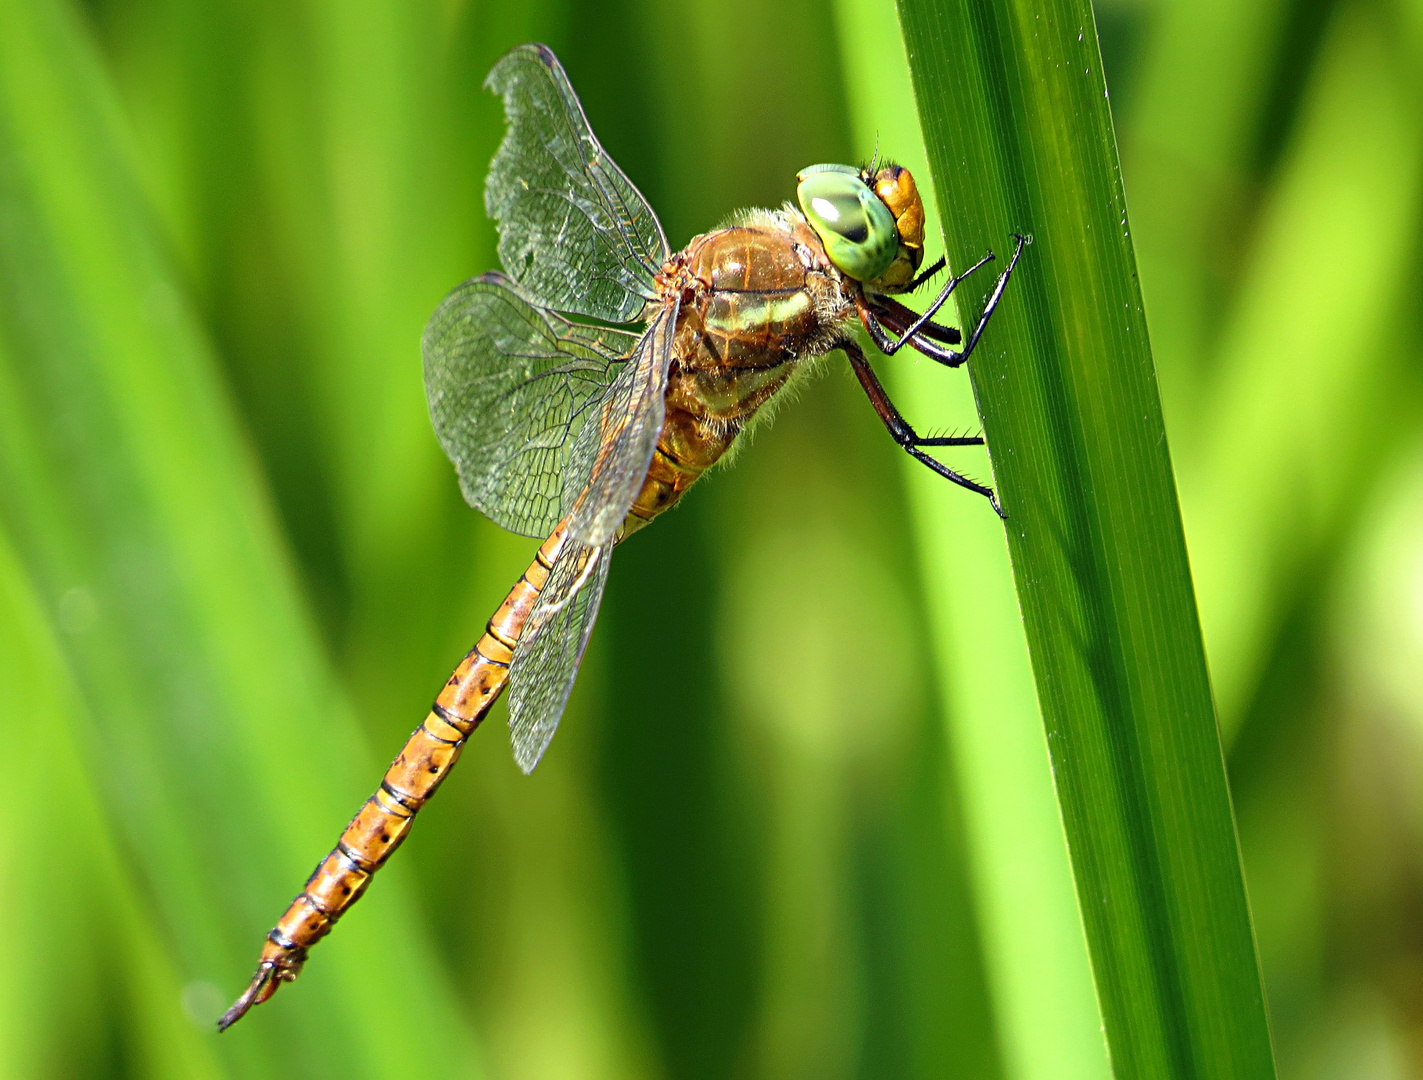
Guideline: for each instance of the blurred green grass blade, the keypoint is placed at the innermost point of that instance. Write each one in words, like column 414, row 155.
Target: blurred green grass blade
column 1014, row 112
column 134, row 509
column 1190, row 153
column 867, row 897
column 361, row 123
column 1308, row 397
column 77, row 941
column 1045, row 1007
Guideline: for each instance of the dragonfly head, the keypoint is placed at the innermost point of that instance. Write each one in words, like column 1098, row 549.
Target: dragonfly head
column 870, row 220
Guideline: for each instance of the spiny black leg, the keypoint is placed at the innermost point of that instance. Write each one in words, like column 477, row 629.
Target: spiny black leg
column 952, row 440
column 923, row 341
column 992, row 305
column 913, row 336
column 963, row 481
column 927, row 274
column 905, row 435
column 939, row 301
column 897, row 318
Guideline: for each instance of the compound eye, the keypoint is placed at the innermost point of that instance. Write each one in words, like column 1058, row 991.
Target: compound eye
column 842, row 212
column 857, row 229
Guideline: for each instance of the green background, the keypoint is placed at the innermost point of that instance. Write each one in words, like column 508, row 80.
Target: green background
column 799, row 820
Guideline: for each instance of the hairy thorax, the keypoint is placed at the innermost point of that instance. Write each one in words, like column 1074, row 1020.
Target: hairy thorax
column 758, row 299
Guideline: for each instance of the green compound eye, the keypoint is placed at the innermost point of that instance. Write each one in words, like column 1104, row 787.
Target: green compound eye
column 857, row 229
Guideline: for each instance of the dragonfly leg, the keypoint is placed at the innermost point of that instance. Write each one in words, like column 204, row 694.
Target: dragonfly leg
column 879, row 329
column 914, row 334
column 896, row 318
column 889, row 346
column 926, row 275
column 905, row 435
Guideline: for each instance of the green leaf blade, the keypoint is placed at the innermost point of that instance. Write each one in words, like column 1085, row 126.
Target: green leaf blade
column 138, row 521
column 1016, row 122
column 1046, row 1018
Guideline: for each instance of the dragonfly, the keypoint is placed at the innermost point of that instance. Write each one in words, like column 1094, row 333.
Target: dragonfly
column 581, row 433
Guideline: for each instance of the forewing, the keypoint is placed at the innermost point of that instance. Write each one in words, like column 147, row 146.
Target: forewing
column 551, row 646
column 510, row 389
column 610, row 458
column 574, row 232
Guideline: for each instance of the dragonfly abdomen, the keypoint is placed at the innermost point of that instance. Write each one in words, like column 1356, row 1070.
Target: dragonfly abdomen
column 414, row 776
column 686, row 447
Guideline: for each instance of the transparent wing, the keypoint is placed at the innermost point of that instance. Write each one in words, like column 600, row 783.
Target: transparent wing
column 551, row 647
column 510, row 390
column 574, row 232
column 616, row 453
column 613, row 454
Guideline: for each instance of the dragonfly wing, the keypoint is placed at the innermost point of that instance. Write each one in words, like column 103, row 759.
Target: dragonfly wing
column 573, row 230
column 510, row 389
column 614, row 453
column 551, row 647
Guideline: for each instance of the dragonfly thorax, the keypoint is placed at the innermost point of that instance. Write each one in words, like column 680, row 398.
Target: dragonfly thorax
column 763, row 296
column 758, row 299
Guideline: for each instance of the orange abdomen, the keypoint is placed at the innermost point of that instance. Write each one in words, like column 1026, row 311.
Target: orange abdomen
column 422, row 764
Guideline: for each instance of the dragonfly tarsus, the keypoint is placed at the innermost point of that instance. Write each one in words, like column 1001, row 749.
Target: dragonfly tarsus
column 904, row 434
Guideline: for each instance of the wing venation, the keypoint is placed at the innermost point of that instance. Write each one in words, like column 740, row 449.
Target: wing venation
column 510, row 390
column 613, row 454
column 574, row 231
column 551, row 647
column 610, row 457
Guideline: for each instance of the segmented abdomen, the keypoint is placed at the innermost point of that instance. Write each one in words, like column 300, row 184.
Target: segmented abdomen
column 422, row 764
